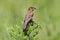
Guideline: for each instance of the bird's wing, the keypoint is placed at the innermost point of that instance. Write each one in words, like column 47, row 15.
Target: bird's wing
column 27, row 18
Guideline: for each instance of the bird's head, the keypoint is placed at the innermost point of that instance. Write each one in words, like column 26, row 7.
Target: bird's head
column 31, row 9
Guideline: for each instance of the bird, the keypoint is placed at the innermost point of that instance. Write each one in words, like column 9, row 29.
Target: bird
column 28, row 17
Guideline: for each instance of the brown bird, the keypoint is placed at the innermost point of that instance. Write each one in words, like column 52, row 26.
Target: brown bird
column 28, row 17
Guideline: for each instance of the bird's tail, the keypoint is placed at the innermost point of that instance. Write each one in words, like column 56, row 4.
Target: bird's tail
column 24, row 25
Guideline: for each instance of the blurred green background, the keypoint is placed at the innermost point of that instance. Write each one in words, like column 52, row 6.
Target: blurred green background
column 47, row 14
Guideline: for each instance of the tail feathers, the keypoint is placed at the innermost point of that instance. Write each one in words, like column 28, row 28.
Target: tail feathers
column 24, row 26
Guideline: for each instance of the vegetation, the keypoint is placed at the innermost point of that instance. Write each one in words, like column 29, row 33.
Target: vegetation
column 30, row 33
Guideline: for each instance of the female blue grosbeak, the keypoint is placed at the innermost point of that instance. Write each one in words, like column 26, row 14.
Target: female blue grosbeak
column 28, row 17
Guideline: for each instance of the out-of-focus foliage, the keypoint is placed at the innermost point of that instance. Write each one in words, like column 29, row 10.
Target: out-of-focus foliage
column 31, row 33
column 15, row 32
column 47, row 14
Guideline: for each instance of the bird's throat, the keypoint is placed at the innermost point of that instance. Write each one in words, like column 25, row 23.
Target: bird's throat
column 30, row 12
